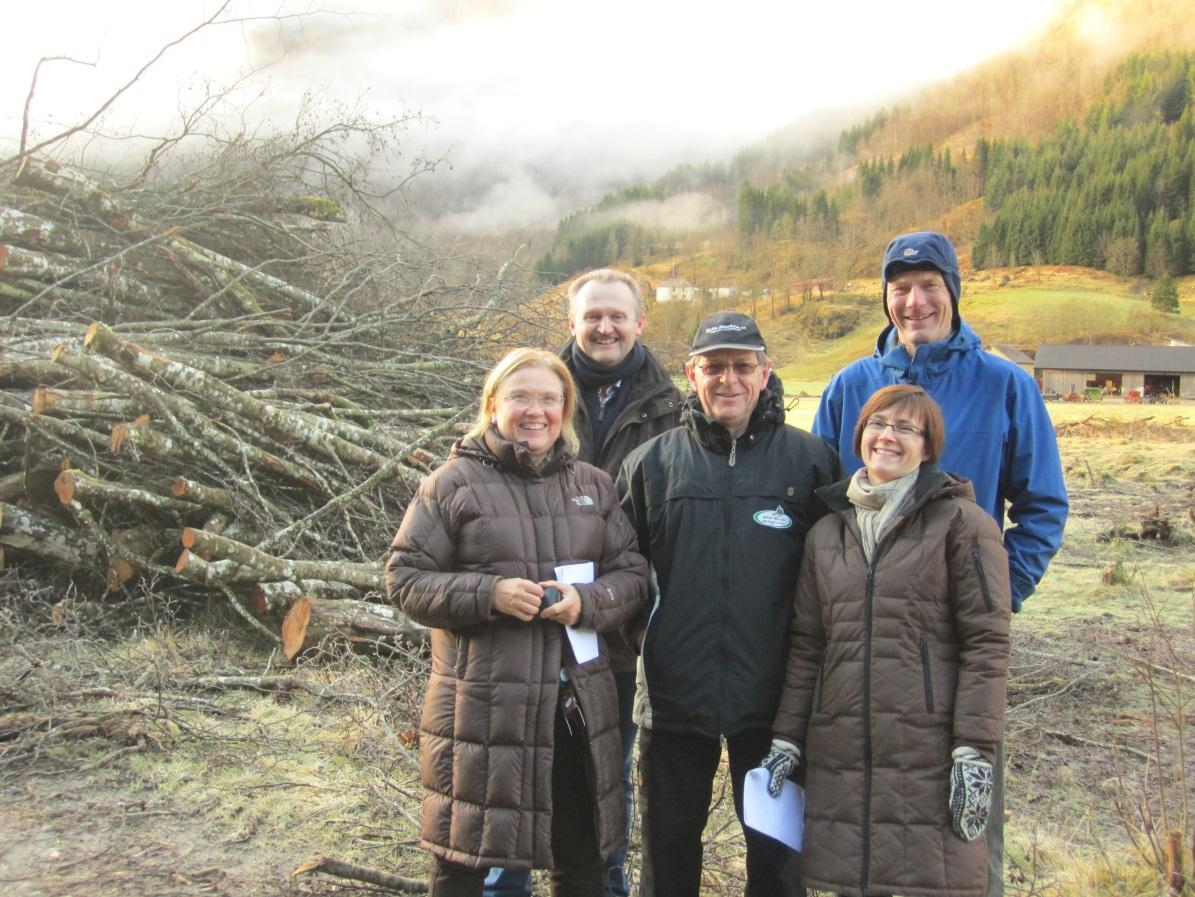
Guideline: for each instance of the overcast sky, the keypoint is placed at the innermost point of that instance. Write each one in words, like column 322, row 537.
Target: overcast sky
column 536, row 90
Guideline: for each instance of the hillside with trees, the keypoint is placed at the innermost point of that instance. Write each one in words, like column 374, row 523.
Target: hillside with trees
column 1076, row 150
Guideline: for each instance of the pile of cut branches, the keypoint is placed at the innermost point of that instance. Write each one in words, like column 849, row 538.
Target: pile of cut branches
column 208, row 378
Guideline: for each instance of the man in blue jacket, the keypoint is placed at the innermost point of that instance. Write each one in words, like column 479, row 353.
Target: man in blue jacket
column 998, row 433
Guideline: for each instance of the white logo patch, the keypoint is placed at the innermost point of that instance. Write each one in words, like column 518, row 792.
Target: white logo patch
column 583, row 501
column 910, row 251
column 776, row 519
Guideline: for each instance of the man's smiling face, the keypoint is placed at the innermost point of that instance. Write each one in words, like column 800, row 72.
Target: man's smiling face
column 920, row 306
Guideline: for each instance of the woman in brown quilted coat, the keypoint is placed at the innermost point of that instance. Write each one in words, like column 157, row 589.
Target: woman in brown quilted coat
column 894, row 693
column 519, row 743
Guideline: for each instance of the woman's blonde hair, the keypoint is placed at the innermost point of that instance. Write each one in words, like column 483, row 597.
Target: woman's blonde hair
column 516, row 360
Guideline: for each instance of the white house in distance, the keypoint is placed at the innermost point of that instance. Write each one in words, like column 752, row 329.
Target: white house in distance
column 675, row 289
column 1146, row 370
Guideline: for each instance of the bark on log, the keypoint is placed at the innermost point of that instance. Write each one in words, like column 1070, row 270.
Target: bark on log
column 368, row 576
column 73, row 484
column 274, row 599
column 102, row 340
column 81, row 401
column 363, row 625
column 26, row 530
column 209, row 496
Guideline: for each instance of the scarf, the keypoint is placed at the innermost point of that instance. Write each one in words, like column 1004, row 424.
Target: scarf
column 877, row 507
column 591, row 376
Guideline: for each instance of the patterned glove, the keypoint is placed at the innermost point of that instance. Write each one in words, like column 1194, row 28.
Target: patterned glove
column 970, row 792
column 782, row 759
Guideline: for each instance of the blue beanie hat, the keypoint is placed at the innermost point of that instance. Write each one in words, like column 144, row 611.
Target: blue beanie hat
column 923, row 249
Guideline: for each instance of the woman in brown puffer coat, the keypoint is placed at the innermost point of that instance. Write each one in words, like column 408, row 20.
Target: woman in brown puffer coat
column 895, row 687
column 519, row 744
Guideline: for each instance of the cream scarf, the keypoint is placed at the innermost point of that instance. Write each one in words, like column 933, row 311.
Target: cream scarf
column 877, row 507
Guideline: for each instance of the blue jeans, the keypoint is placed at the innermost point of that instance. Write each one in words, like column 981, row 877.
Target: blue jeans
column 517, row 883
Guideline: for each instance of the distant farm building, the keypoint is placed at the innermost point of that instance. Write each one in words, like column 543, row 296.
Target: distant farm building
column 727, row 292
column 1145, row 370
column 675, row 289
column 1013, row 354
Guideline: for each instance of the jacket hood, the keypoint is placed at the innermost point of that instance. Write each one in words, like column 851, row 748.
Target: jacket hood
column 769, row 412
column 494, row 450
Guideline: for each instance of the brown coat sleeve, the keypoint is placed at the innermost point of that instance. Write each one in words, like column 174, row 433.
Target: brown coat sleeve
column 807, row 644
column 982, row 604
column 420, row 578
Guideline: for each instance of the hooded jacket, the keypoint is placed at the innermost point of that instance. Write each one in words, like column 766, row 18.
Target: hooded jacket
column 486, row 732
column 998, row 435
column 891, row 666
column 722, row 521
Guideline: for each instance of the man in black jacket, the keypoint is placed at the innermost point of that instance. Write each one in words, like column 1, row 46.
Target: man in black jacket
column 721, row 506
column 625, row 398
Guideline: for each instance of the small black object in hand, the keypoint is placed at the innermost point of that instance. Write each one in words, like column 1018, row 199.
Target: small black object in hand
column 551, row 596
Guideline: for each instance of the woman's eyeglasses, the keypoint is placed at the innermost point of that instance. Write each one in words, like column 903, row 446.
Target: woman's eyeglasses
column 549, row 401
column 878, row 425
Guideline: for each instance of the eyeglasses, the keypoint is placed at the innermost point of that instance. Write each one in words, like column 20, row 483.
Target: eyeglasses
column 717, row 369
column 549, row 401
column 878, row 425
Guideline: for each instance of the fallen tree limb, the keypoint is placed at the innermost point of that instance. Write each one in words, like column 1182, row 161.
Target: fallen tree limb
column 341, row 869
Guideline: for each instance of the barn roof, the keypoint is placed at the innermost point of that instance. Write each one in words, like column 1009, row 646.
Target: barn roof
column 1012, row 353
column 1146, row 359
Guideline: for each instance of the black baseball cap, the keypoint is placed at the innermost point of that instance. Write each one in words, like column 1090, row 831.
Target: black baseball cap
column 727, row 330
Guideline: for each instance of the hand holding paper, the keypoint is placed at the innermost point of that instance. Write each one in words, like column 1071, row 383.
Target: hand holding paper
column 584, row 641
column 783, row 817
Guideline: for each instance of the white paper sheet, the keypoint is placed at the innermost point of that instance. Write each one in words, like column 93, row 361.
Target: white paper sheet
column 783, row 817
column 584, row 641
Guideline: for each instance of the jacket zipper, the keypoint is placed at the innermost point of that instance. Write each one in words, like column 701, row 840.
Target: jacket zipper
column 821, row 683
column 734, row 446
column 865, row 871
column 983, row 580
column 727, row 520
column 868, row 600
column 927, row 676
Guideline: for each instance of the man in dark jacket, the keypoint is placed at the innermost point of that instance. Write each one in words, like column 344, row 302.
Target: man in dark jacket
column 625, row 397
column 998, row 433
column 721, row 507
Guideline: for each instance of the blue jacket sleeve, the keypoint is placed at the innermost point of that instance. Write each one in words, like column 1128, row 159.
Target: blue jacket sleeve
column 1036, row 492
column 827, row 423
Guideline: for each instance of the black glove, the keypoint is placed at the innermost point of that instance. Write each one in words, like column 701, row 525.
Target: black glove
column 971, row 780
column 781, row 761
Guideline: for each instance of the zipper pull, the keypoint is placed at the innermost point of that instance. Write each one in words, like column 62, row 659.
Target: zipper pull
column 734, row 445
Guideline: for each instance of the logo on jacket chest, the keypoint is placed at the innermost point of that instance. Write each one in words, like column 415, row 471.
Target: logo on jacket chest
column 776, row 518
column 583, row 501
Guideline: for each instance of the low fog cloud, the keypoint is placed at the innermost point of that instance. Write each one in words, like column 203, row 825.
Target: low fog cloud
column 540, row 105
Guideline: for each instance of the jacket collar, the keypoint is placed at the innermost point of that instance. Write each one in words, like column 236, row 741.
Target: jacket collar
column 932, row 482
column 494, row 450
column 768, row 413
column 930, row 358
column 651, row 379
